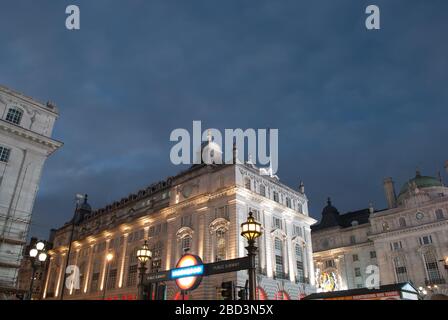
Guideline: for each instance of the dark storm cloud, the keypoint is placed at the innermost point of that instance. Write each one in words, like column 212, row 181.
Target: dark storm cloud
column 352, row 106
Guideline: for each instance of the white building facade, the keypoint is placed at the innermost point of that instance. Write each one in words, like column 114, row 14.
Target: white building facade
column 198, row 211
column 408, row 241
column 25, row 143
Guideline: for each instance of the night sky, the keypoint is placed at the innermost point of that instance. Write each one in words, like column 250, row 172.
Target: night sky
column 352, row 106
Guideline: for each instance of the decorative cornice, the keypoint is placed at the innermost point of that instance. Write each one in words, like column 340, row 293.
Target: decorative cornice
column 31, row 136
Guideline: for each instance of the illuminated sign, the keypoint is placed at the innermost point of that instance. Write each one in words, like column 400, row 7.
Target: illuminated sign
column 188, row 272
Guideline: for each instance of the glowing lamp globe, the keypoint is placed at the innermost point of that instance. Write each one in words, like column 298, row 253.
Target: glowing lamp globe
column 42, row 257
column 109, row 257
column 33, row 253
column 40, row 245
column 250, row 229
column 144, row 254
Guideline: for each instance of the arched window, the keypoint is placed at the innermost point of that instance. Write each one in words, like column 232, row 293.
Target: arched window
column 402, row 222
column 14, row 115
column 299, row 263
column 278, row 250
column 432, row 269
column 400, row 269
column 221, row 244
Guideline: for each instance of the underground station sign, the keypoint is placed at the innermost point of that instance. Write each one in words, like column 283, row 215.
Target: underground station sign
column 190, row 269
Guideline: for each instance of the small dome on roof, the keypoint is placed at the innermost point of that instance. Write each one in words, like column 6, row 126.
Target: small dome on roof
column 420, row 182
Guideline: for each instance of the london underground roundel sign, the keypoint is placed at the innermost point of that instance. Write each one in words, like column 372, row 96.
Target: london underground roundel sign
column 188, row 272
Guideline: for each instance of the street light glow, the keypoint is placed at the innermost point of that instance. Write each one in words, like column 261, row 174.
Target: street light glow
column 33, row 252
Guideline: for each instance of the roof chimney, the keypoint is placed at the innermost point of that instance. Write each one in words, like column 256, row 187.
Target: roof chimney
column 389, row 191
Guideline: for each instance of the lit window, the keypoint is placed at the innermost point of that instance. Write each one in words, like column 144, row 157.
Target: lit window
column 4, row 154
column 14, row 115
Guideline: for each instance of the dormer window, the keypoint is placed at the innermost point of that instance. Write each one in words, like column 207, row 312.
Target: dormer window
column 14, row 115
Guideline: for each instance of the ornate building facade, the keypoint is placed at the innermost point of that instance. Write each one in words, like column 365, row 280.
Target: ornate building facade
column 408, row 241
column 25, row 143
column 198, row 211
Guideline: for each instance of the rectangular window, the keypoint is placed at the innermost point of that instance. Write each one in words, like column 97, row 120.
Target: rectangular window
column 425, row 240
column 279, row 265
column 372, row 254
column 277, row 222
column 355, row 258
column 299, row 207
column 288, row 202
column 276, row 199
column 330, row 264
column 132, row 275
column 94, row 283
column 4, row 154
column 186, row 221
column 394, row 246
column 112, row 279
column 14, row 116
column 439, row 214
column 222, row 212
column 357, row 272
column 262, row 190
column 298, row 231
column 256, row 214
column 400, row 270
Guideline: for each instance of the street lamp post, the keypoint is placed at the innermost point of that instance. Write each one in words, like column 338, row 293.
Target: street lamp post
column 109, row 258
column 37, row 257
column 251, row 230
column 143, row 255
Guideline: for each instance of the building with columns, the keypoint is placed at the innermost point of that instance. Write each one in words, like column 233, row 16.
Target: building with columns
column 25, row 143
column 408, row 241
column 198, row 211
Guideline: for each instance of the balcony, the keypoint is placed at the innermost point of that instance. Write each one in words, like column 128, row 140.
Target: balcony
column 430, row 282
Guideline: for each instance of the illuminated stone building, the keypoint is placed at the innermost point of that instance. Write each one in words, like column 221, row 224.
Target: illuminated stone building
column 408, row 241
column 198, row 211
